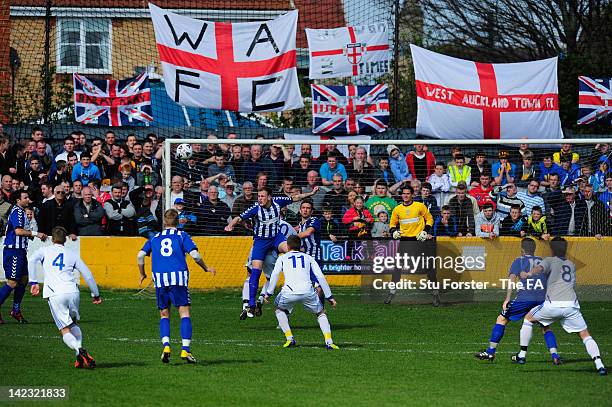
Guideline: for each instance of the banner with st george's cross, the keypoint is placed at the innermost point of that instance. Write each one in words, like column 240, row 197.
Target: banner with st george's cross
column 457, row 98
column 242, row 67
column 349, row 51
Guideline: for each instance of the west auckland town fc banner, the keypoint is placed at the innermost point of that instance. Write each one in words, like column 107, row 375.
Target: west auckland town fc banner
column 341, row 110
column 349, row 51
column 457, row 98
column 242, row 67
column 125, row 102
column 594, row 99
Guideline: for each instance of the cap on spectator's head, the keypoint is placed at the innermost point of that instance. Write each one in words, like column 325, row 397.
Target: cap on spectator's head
column 149, row 187
column 481, row 154
column 503, row 154
column 179, row 201
column 569, row 190
column 230, row 184
column 390, row 148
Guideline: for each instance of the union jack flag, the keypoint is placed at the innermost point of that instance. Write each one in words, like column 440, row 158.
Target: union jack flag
column 594, row 99
column 350, row 109
column 112, row 102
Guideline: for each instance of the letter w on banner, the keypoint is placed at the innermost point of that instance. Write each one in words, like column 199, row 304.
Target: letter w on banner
column 457, row 98
column 242, row 67
column 349, row 51
column 351, row 109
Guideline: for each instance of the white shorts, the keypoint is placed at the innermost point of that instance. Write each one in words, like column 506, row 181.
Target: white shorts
column 65, row 309
column 310, row 301
column 571, row 318
column 268, row 264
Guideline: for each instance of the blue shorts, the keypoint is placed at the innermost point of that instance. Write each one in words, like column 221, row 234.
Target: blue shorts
column 15, row 263
column 518, row 309
column 261, row 247
column 177, row 295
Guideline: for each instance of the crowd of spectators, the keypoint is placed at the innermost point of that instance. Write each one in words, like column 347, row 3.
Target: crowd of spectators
column 516, row 192
column 107, row 186
column 91, row 187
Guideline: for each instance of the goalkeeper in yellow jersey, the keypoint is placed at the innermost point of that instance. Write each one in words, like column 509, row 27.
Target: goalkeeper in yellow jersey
column 412, row 221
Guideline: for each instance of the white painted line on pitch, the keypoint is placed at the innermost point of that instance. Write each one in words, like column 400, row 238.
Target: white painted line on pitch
column 276, row 344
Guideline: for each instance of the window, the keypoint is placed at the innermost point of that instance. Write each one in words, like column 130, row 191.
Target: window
column 84, row 45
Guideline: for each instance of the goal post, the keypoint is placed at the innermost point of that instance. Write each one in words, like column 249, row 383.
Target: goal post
column 349, row 261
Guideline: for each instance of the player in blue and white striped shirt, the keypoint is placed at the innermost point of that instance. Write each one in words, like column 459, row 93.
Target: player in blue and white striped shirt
column 171, row 277
column 310, row 231
column 268, row 266
column 15, row 261
column 266, row 214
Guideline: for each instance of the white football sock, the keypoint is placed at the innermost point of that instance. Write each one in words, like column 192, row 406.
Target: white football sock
column 75, row 330
column 593, row 350
column 283, row 322
column 264, row 290
column 525, row 337
column 245, row 289
column 325, row 328
column 71, row 342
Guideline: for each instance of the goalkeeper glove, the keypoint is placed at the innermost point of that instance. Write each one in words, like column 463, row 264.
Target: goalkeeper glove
column 396, row 234
column 422, row 236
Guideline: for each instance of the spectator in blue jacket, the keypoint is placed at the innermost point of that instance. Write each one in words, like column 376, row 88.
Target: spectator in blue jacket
column 331, row 168
column 546, row 168
column 397, row 162
column 85, row 171
column 445, row 224
column 569, row 172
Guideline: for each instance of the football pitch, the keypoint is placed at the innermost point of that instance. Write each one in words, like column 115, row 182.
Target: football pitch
column 390, row 355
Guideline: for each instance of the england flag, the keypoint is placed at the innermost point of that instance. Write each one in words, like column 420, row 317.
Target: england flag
column 349, row 51
column 457, row 98
column 341, row 110
column 242, row 67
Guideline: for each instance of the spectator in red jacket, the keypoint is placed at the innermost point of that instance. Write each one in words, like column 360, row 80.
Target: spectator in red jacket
column 421, row 163
column 358, row 219
column 482, row 192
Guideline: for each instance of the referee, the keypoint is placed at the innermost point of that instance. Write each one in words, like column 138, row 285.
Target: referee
column 410, row 222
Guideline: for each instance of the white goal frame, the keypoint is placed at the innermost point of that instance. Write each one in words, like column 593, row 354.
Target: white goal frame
column 339, row 141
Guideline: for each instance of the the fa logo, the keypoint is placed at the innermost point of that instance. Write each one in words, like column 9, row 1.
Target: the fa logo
column 354, row 52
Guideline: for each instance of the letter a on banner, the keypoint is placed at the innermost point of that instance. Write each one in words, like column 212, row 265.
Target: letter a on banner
column 242, row 67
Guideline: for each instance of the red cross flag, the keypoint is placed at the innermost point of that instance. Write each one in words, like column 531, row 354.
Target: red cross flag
column 463, row 99
column 349, row 51
column 243, row 67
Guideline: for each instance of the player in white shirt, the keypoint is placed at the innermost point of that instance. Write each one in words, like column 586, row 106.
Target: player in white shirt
column 296, row 267
column 561, row 303
column 62, row 291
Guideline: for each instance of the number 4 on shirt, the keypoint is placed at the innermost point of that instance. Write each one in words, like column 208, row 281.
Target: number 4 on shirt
column 59, row 261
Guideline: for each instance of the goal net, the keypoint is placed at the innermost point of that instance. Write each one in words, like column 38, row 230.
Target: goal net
column 483, row 198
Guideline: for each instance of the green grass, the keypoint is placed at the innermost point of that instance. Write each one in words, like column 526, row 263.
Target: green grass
column 391, row 355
